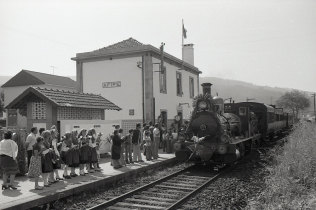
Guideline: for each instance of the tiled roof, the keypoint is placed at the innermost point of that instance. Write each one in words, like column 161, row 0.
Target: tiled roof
column 66, row 99
column 129, row 46
column 26, row 77
column 123, row 44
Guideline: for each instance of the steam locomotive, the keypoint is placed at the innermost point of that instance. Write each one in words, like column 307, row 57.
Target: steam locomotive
column 223, row 133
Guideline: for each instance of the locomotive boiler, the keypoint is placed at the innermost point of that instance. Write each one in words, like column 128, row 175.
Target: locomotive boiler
column 215, row 136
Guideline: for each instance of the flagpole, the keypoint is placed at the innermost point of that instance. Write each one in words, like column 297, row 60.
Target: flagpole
column 182, row 39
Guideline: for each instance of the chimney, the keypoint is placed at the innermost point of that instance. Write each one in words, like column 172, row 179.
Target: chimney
column 206, row 88
column 188, row 53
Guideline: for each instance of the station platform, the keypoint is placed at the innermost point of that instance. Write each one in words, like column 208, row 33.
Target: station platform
column 26, row 197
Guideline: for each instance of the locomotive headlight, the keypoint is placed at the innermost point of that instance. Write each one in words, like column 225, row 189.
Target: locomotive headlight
column 225, row 139
column 222, row 149
column 202, row 105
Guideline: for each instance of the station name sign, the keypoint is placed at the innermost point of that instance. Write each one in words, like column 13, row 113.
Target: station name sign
column 111, row 84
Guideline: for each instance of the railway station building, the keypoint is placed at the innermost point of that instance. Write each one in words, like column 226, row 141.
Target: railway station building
column 146, row 82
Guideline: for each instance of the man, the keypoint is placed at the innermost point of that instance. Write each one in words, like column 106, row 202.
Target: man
column 136, row 140
column 128, row 147
column 29, row 142
column 156, row 140
column 151, row 129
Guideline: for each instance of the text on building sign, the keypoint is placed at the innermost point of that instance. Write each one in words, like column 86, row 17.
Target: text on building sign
column 111, row 84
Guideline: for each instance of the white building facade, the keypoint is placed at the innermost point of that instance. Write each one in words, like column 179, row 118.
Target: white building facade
column 129, row 74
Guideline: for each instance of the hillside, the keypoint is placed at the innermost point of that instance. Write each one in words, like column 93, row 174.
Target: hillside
column 240, row 91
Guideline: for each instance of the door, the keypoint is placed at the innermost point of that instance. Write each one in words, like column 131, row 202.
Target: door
column 164, row 118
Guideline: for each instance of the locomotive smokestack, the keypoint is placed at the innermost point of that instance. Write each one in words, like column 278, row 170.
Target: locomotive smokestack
column 206, row 88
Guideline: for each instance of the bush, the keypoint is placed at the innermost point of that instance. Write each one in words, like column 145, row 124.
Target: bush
column 291, row 183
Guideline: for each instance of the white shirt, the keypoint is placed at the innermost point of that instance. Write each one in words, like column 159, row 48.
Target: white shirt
column 9, row 147
column 156, row 132
column 54, row 144
column 31, row 140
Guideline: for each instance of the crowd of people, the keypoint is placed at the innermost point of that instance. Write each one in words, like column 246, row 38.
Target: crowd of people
column 80, row 150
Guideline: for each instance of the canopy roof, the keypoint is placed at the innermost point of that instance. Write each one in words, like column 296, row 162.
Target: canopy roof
column 62, row 98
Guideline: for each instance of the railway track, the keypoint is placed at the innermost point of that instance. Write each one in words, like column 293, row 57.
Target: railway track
column 169, row 192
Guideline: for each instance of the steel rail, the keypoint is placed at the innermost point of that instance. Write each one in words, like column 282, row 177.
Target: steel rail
column 133, row 192
column 190, row 194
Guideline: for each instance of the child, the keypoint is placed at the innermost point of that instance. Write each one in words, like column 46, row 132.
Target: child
column 128, row 146
column 35, row 169
column 98, row 142
column 85, row 155
column 94, row 156
column 57, row 164
column 47, row 163
column 75, row 154
column 65, row 156
column 148, row 143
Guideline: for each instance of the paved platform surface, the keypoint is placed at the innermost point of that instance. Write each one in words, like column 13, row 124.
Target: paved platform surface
column 26, row 197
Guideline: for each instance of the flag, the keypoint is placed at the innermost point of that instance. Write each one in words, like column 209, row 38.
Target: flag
column 184, row 31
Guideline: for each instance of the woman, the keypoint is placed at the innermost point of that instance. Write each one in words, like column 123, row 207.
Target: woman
column 66, row 158
column 8, row 154
column 35, row 169
column 116, row 150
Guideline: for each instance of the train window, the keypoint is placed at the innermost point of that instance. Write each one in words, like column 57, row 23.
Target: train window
column 242, row 111
column 271, row 117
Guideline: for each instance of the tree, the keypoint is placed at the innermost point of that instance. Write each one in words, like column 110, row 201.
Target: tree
column 294, row 101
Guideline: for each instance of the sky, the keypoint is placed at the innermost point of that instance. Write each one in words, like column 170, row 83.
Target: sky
column 264, row 42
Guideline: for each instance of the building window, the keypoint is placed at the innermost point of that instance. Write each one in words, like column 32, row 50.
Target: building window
column 191, row 86
column 38, row 110
column 131, row 112
column 163, row 80
column 75, row 113
column 179, row 84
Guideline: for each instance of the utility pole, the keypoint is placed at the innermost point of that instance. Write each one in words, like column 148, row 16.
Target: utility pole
column 53, row 68
column 314, row 95
column 250, row 99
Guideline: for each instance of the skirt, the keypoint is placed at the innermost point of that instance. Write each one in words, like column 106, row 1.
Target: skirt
column 63, row 157
column 35, row 169
column 94, row 155
column 74, row 157
column 85, row 154
column 8, row 165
